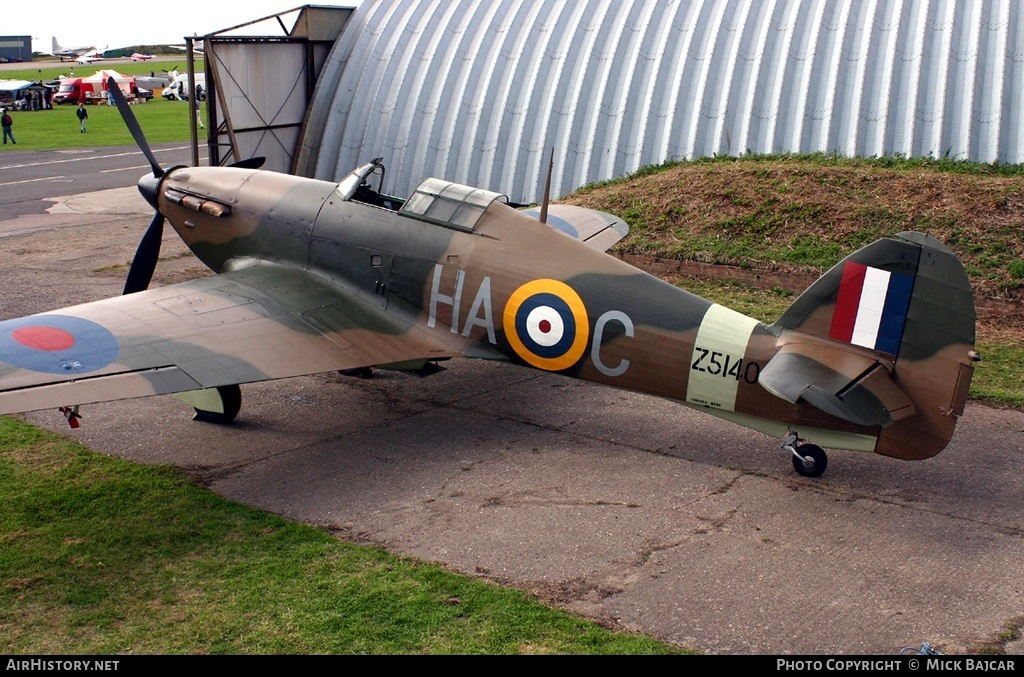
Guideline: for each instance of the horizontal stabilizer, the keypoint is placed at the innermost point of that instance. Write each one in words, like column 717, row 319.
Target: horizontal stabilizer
column 849, row 385
column 600, row 230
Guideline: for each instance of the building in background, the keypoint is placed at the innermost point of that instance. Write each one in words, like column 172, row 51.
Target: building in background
column 15, row 48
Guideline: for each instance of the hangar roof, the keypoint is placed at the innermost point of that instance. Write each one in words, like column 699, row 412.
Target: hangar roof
column 480, row 91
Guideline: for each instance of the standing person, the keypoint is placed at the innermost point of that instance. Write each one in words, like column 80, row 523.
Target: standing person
column 7, row 122
column 195, row 100
column 82, row 114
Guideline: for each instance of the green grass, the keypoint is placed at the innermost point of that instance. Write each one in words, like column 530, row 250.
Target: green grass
column 163, row 121
column 997, row 377
column 813, row 210
column 805, row 213
column 102, row 556
column 763, row 304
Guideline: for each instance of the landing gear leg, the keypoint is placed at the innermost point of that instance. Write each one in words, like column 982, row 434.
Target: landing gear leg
column 809, row 460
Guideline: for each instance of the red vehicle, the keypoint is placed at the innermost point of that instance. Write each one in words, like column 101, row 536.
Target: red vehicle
column 83, row 90
column 77, row 90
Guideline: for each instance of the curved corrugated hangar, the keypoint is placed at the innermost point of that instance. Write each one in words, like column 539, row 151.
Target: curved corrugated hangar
column 481, row 91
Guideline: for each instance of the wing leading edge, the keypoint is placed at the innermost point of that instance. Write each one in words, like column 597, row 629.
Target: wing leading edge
column 256, row 323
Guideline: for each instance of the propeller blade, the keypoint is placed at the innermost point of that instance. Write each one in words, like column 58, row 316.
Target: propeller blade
column 251, row 163
column 133, row 126
column 146, row 256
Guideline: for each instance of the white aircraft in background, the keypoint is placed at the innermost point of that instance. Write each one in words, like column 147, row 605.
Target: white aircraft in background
column 141, row 57
column 90, row 57
column 70, row 52
column 197, row 47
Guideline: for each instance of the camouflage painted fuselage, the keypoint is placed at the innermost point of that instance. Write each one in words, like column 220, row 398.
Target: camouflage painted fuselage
column 499, row 284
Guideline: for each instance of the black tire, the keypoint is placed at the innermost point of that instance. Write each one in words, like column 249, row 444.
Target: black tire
column 816, row 466
column 231, row 396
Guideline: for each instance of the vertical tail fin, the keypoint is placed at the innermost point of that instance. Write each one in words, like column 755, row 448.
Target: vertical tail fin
column 908, row 299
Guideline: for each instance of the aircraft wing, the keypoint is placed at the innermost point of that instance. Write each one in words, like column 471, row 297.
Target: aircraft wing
column 598, row 229
column 262, row 322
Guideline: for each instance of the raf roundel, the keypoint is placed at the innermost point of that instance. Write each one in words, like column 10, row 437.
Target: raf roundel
column 546, row 324
column 57, row 344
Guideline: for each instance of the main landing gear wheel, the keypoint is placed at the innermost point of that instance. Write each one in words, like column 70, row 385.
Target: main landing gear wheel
column 810, row 460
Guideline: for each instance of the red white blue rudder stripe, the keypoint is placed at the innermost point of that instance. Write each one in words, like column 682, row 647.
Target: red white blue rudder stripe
column 871, row 307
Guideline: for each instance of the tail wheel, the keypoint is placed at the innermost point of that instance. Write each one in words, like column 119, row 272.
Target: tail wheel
column 812, row 462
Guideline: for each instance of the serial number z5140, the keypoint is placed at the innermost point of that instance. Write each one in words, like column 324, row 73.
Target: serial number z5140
column 717, row 363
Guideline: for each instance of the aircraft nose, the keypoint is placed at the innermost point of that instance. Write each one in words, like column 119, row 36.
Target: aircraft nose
column 149, row 186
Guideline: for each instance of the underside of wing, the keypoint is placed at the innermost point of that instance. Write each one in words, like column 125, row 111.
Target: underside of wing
column 257, row 323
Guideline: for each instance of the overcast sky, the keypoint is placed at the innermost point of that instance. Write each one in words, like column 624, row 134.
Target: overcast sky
column 123, row 23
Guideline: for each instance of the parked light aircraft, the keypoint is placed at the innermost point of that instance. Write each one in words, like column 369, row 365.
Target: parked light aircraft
column 314, row 276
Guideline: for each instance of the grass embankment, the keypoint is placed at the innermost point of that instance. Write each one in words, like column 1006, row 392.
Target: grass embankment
column 804, row 214
column 101, row 556
column 163, row 121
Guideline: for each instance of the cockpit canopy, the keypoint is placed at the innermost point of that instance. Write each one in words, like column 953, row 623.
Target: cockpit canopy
column 442, row 203
column 450, row 204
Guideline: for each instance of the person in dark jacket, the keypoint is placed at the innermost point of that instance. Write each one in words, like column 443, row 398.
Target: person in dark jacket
column 82, row 114
column 6, row 121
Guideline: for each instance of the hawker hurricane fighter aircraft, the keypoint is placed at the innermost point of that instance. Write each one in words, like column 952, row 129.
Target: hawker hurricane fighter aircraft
column 314, row 276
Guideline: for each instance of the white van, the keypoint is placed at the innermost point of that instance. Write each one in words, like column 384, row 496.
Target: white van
column 179, row 89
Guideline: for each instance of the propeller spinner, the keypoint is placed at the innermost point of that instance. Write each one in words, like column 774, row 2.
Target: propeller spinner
column 141, row 272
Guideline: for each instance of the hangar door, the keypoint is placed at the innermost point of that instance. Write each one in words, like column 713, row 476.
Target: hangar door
column 262, row 92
